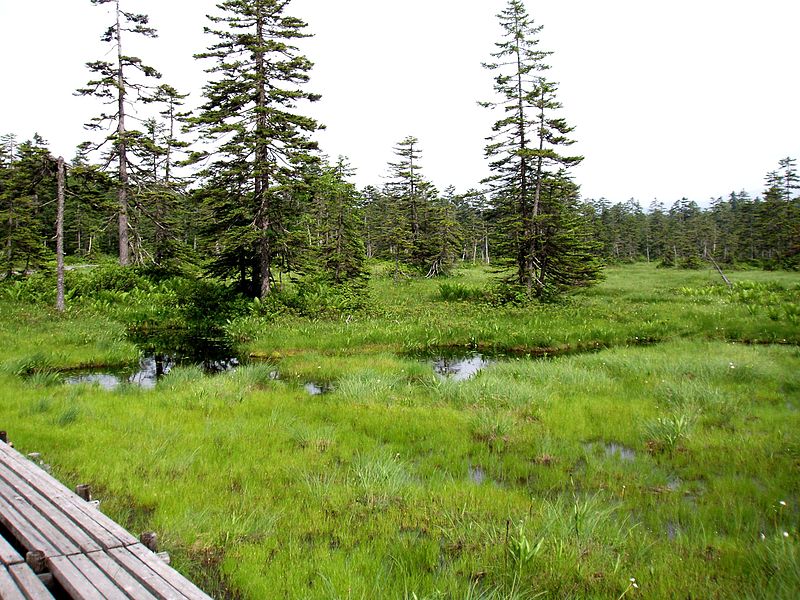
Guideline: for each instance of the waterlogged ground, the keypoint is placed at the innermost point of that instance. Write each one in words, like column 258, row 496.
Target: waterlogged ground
column 341, row 463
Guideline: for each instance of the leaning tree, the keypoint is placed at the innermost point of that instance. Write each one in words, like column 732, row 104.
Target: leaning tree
column 530, row 180
column 261, row 142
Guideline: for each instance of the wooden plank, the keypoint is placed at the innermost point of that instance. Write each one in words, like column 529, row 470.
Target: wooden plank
column 108, row 533
column 36, row 521
column 177, row 580
column 72, row 580
column 108, row 588
column 48, row 510
column 124, row 580
column 8, row 587
column 30, row 584
column 23, row 531
column 9, row 554
column 145, row 575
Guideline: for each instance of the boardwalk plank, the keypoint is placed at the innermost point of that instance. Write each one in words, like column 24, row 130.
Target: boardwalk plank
column 28, row 581
column 107, row 532
column 8, row 587
column 149, row 578
column 108, row 588
column 22, row 530
column 48, row 510
column 8, row 554
column 89, row 555
column 117, row 572
column 72, row 580
column 186, row 587
column 34, row 519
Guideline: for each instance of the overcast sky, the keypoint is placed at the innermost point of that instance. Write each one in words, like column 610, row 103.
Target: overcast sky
column 674, row 98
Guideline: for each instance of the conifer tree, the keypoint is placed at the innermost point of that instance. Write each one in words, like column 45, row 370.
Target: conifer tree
column 162, row 202
column 262, row 143
column 27, row 183
column 525, row 153
column 336, row 248
column 117, row 83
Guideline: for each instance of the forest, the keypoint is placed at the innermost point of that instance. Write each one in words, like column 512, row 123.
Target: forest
column 312, row 390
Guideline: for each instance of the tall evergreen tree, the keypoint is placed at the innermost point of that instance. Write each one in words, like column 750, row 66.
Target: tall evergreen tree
column 116, row 83
column 262, row 143
column 525, row 158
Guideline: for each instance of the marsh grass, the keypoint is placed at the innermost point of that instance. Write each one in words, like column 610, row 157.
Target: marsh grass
column 366, row 492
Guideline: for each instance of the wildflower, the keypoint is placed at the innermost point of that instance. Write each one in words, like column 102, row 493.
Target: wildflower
column 786, row 534
column 731, row 365
column 782, row 503
column 763, row 537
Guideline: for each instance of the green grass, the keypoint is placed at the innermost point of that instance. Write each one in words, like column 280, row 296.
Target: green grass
column 398, row 484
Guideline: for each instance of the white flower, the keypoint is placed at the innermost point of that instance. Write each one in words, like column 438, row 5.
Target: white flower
column 782, row 503
column 786, row 534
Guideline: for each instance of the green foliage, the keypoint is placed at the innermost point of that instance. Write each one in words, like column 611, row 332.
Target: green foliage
column 319, row 298
column 458, row 292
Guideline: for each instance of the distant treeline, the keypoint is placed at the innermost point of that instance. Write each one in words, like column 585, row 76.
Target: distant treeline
column 739, row 229
column 407, row 221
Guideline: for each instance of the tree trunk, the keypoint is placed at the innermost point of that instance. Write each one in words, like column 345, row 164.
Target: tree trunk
column 60, row 237
column 122, row 154
column 262, row 196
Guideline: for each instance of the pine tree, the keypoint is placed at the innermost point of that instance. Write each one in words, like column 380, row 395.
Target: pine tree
column 525, row 159
column 116, row 84
column 262, row 144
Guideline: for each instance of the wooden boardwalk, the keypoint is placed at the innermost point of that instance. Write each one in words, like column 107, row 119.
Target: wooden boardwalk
column 55, row 544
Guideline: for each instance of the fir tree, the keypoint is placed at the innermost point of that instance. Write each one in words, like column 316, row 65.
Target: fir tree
column 27, row 183
column 116, row 84
column 262, row 143
column 525, row 159
column 336, row 248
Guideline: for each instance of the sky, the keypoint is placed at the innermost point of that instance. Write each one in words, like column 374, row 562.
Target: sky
column 669, row 99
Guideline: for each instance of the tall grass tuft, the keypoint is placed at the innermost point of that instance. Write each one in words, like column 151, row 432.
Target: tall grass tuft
column 665, row 433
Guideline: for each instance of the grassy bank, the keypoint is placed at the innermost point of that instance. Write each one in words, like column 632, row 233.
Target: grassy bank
column 674, row 463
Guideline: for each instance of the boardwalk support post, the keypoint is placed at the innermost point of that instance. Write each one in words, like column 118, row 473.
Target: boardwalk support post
column 150, row 540
column 84, row 491
column 37, row 561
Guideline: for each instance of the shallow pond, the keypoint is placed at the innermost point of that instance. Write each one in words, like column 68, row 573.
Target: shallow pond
column 160, row 353
column 458, row 366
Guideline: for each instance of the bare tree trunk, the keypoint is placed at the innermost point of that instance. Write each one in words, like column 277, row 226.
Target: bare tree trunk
column 122, row 154
column 60, row 237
